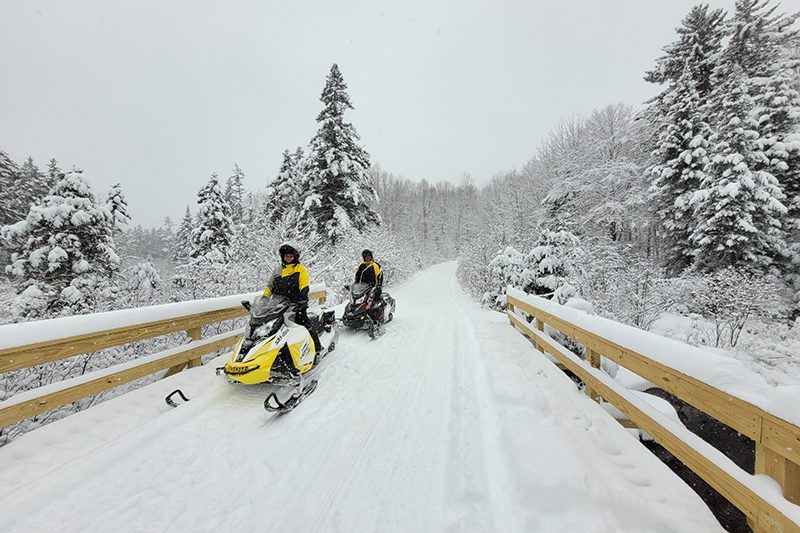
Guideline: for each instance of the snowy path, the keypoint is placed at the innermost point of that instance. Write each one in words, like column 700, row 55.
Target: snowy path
column 449, row 422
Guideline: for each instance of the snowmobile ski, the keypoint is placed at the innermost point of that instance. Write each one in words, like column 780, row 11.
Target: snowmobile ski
column 173, row 403
column 274, row 405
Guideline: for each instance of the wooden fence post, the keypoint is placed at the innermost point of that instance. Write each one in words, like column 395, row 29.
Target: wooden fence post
column 540, row 327
column 195, row 334
column 781, row 469
column 594, row 359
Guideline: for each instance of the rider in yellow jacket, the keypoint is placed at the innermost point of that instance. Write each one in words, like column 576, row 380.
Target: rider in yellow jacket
column 290, row 279
column 370, row 272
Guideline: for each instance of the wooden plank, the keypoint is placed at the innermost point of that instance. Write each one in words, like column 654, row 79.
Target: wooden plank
column 38, row 353
column 195, row 334
column 46, row 402
column 174, row 370
column 781, row 469
column 739, row 494
column 593, row 359
column 18, row 357
column 782, row 437
column 738, row 414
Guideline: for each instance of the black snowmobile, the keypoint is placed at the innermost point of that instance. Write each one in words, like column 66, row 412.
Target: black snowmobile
column 365, row 311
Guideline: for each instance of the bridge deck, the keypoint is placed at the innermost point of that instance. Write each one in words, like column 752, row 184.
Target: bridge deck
column 450, row 421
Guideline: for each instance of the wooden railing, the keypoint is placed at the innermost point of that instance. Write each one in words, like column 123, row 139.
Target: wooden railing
column 36, row 401
column 777, row 442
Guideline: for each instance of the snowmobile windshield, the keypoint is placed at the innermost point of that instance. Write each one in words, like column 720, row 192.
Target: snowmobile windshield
column 359, row 289
column 265, row 308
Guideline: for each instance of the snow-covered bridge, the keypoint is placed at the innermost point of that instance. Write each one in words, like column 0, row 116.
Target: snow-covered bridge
column 449, row 422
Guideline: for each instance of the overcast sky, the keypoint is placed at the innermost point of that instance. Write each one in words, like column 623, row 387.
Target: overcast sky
column 159, row 94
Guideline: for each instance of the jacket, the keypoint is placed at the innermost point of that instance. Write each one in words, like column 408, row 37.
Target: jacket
column 369, row 273
column 290, row 281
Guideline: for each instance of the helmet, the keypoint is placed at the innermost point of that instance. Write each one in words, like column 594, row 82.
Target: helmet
column 289, row 248
column 366, row 253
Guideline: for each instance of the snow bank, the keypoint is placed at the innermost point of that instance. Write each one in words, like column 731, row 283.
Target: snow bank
column 728, row 375
column 24, row 333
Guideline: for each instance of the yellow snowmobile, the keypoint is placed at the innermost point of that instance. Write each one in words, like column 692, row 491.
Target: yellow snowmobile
column 277, row 351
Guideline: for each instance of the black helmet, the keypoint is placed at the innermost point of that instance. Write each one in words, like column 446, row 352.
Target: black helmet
column 289, row 248
column 366, row 253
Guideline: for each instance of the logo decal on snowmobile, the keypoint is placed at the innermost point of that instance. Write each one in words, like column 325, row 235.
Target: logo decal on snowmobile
column 278, row 339
column 305, row 352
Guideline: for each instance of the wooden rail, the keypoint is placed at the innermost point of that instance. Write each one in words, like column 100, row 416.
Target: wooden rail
column 37, row 401
column 777, row 441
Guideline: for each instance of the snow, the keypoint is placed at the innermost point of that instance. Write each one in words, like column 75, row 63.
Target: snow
column 727, row 374
column 449, row 422
column 662, row 413
column 12, row 335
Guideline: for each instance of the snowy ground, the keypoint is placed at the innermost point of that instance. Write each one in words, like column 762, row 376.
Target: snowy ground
column 449, row 422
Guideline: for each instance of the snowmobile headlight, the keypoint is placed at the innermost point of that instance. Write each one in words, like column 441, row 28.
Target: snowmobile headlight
column 267, row 329
column 359, row 300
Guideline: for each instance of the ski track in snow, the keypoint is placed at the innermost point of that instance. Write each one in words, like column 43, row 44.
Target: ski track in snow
column 448, row 422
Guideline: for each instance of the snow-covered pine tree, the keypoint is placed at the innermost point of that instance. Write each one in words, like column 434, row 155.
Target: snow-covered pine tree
column 11, row 209
column 504, row 270
column 777, row 112
column 283, row 193
column 234, row 194
column 756, row 31
column 183, row 246
column 763, row 42
column 547, row 266
column 32, row 185
column 54, row 173
column 64, row 258
column 143, row 283
column 681, row 157
column 118, row 206
column 738, row 207
column 340, row 194
column 681, row 119
column 698, row 46
column 213, row 235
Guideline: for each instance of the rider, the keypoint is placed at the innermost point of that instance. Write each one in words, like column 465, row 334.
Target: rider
column 290, row 279
column 370, row 272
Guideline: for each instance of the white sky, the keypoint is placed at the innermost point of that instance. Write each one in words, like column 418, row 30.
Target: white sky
column 159, row 94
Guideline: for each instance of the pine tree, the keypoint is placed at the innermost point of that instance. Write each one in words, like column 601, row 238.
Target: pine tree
column 10, row 208
column 697, row 48
column 213, row 235
column 54, row 173
column 143, row 282
column 739, row 207
column 762, row 43
column 681, row 156
column 341, row 195
column 504, row 270
column 756, row 33
column 118, row 207
column 182, row 247
column 234, row 194
column 32, row 184
column 680, row 116
column 64, row 256
column 547, row 267
column 283, row 194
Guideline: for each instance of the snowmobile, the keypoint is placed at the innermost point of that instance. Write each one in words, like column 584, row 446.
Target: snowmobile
column 364, row 311
column 277, row 351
